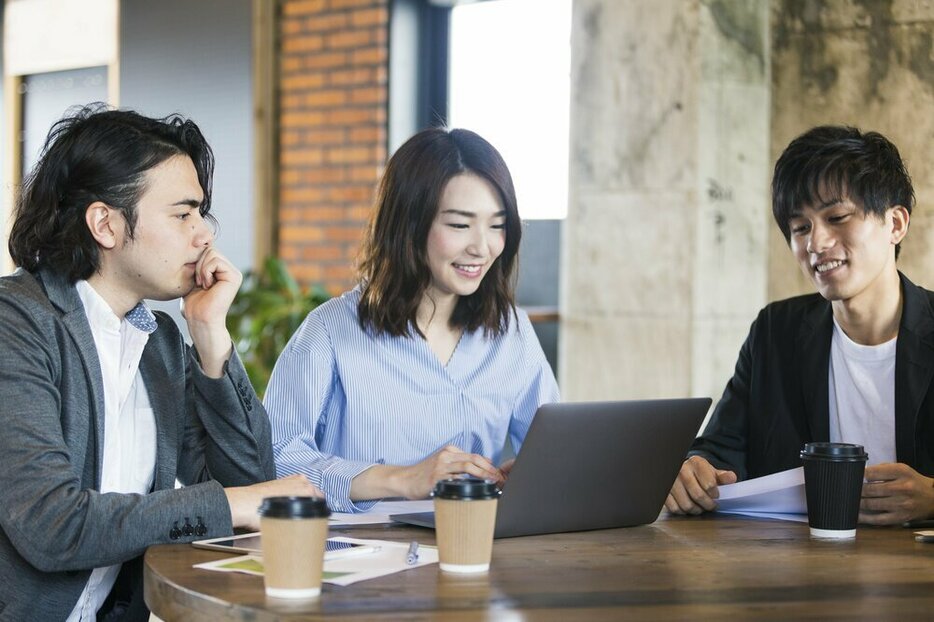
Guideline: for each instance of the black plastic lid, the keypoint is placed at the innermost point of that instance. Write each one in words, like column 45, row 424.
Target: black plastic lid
column 294, row 507
column 466, row 488
column 834, row 451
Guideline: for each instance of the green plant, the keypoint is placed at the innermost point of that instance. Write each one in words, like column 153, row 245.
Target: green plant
column 268, row 309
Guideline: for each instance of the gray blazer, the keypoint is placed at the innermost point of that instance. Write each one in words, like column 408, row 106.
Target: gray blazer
column 56, row 526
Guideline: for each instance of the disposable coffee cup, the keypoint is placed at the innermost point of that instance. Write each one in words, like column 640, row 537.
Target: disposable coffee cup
column 294, row 531
column 465, row 514
column 833, row 484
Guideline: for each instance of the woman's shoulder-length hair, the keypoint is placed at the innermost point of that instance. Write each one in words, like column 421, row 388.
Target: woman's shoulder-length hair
column 394, row 267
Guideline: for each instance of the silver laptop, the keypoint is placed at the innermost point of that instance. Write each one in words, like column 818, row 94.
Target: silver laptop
column 593, row 465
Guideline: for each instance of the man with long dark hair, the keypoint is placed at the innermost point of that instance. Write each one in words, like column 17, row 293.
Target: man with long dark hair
column 852, row 363
column 103, row 404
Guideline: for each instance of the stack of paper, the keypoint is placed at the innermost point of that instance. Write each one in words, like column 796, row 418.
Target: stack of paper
column 779, row 495
column 387, row 558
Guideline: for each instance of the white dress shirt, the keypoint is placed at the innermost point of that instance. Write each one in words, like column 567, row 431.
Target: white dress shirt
column 129, row 458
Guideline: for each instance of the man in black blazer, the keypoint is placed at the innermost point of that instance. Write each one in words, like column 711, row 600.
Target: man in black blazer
column 852, row 363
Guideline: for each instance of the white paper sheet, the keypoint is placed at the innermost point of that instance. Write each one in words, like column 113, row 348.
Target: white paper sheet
column 390, row 557
column 796, row 518
column 779, row 495
column 380, row 512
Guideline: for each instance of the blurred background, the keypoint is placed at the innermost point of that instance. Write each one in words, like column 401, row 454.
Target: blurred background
column 641, row 136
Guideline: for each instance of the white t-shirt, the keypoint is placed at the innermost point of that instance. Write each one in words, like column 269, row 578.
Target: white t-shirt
column 862, row 395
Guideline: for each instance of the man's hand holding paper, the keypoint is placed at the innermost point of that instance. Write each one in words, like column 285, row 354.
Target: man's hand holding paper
column 695, row 490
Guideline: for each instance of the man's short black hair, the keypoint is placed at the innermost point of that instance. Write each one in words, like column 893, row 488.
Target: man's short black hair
column 96, row 154
column 833, row 162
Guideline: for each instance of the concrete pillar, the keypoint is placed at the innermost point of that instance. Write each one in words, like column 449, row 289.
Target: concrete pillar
column 665, row 256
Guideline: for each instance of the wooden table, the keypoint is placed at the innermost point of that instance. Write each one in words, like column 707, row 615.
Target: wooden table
column 677, row 568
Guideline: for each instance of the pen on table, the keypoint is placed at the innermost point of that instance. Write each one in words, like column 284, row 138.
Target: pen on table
column 412, row 556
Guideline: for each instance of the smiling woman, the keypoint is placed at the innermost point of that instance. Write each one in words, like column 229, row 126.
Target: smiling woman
column 466, row 236
column 424, row 369
column 451, row 169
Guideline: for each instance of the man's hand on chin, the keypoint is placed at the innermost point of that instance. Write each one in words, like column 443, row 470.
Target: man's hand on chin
column 205, row 309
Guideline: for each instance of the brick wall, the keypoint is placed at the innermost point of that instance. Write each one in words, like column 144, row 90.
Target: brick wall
column 333, row 95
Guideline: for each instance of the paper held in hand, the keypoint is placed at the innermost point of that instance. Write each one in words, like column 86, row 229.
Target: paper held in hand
column 779, row 495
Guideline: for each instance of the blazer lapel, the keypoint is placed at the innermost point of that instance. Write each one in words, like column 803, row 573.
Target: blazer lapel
column 914, row 366
column 812, row 357
column 65, row 297
column 164, row 401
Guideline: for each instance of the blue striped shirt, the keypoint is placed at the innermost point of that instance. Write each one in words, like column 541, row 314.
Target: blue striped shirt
column 342, row 399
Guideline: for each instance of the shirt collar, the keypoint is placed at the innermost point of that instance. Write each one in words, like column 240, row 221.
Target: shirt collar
column 141, row 318
column 99, row 312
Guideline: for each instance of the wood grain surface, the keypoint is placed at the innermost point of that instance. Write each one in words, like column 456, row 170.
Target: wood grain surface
column 711, row 567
